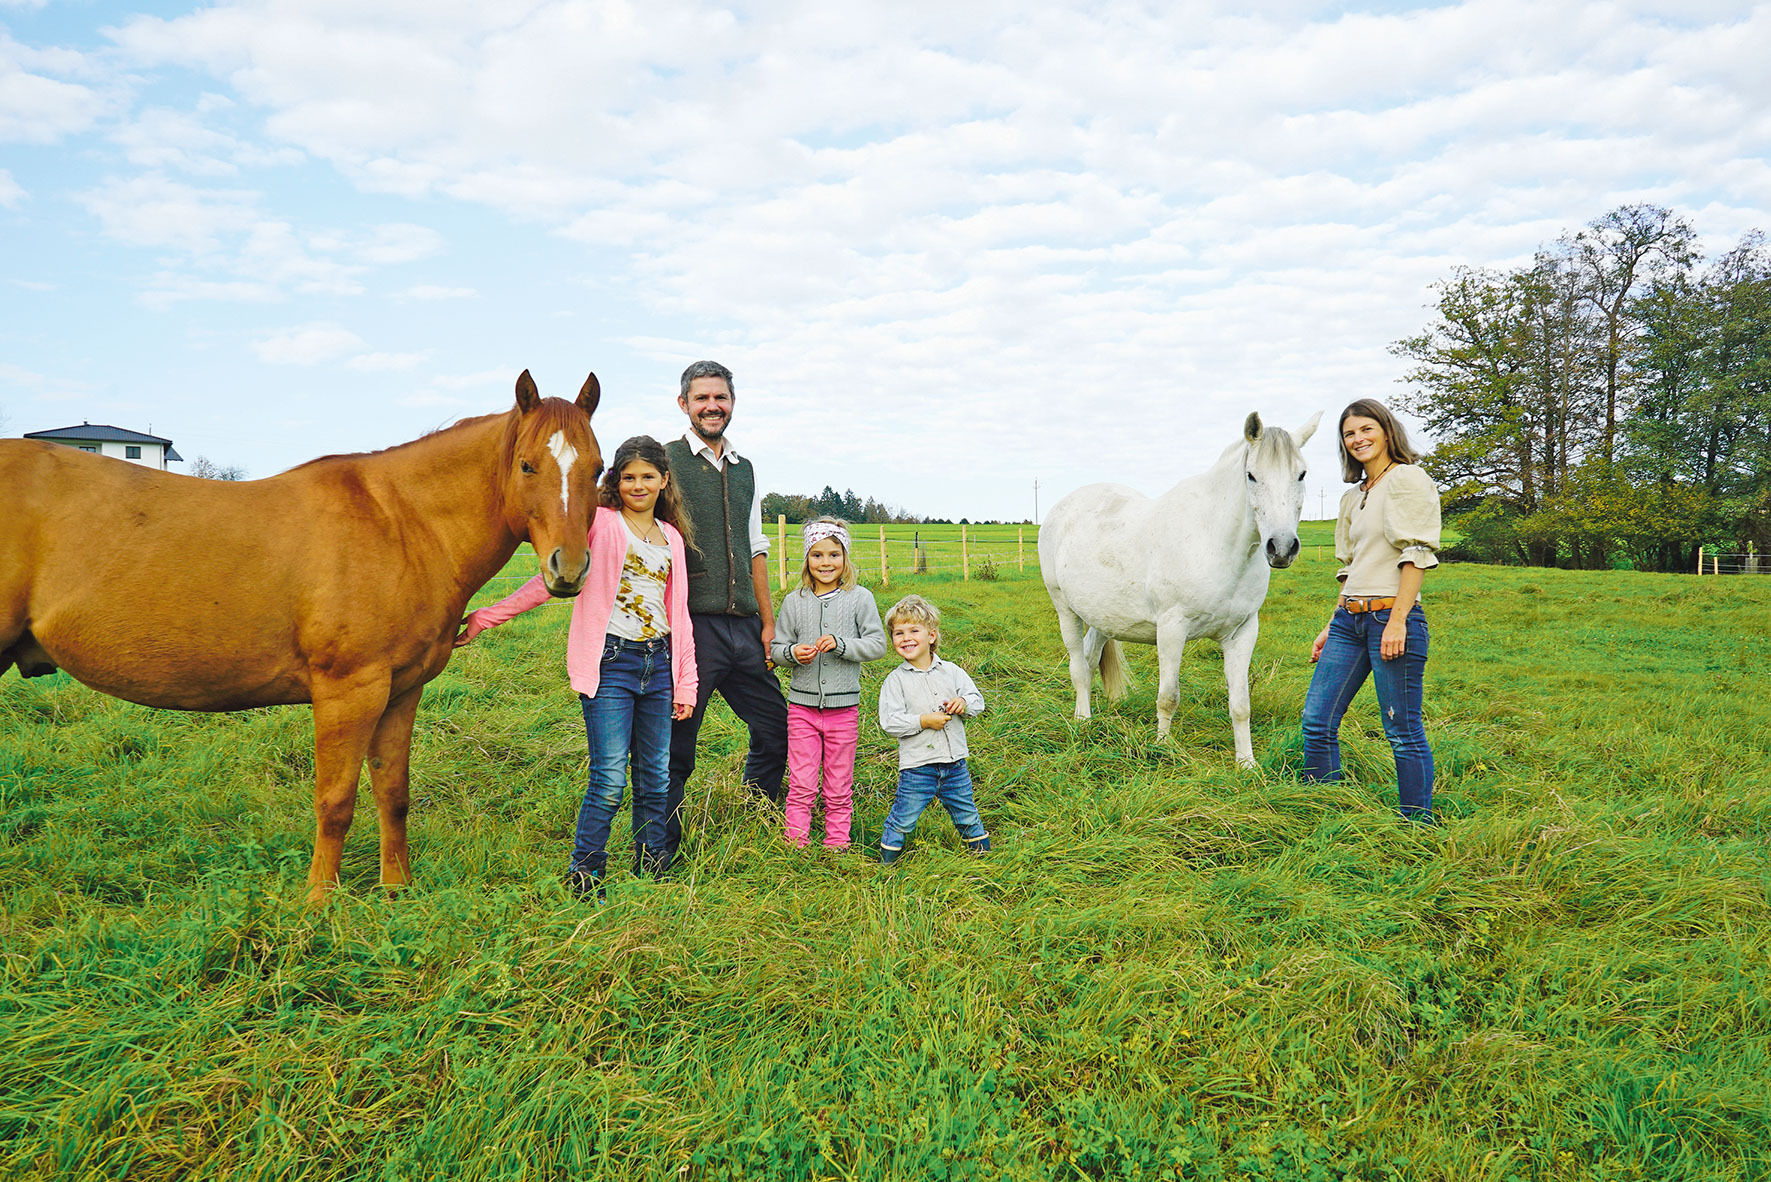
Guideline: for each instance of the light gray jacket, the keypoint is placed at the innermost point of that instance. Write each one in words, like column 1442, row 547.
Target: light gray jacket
column 908, row 693
column 829, row 680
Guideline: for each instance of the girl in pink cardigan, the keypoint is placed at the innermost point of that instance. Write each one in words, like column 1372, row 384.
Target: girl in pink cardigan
column 630, row 654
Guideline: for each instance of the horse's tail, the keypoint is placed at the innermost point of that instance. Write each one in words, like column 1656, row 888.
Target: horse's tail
column 1115, row 675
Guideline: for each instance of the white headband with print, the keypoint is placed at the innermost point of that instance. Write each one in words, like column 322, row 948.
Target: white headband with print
column 816, row 531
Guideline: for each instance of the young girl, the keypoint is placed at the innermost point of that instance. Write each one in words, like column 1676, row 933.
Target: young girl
column 1385, row 540
column 630, row 654
column 825, row 629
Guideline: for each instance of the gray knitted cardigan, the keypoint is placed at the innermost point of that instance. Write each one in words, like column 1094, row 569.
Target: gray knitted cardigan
column 830, row 680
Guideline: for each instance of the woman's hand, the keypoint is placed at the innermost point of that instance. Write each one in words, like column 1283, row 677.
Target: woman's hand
column 1317, row 647
column 1395, row 639
column 681, row 710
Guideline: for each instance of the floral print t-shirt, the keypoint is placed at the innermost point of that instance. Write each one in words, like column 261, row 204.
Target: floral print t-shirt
column 639, row 598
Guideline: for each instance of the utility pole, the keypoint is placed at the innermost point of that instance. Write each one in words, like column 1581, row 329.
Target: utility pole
column 1321, row 504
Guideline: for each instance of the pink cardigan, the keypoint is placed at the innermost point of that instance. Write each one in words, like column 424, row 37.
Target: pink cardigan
column 596, row 603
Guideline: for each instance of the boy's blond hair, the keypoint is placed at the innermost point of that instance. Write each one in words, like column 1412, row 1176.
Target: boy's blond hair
column 849, row 577
column 916, row 610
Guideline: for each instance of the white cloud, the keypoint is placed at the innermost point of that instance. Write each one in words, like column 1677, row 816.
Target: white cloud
column 385, row 362
column 11, row 192
column 307, row 345
column 36, row 108
column 434, row 291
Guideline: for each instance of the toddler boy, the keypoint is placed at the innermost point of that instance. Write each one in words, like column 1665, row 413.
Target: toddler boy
column 922, row 704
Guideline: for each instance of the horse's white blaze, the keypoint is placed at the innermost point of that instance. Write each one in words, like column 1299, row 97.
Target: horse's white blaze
column 565, row 455
column 1193, row 562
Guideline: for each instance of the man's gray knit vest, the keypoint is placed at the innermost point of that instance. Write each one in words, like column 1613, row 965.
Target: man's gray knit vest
column 718, row 501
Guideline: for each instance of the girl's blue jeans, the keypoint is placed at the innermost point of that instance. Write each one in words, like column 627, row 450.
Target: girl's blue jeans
column 1351, row 654
column 626, row 723
column 949, row 783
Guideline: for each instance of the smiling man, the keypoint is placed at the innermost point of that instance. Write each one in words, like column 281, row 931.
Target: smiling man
column 729, row 604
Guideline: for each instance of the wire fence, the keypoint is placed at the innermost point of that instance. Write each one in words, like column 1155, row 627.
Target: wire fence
column 881, row 554
column 1715, row 562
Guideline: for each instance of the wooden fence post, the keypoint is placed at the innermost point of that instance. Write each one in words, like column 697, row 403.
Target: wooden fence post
column 965, row 557
column 885, row 571
column 781, row 548
column 1715, row 564
column 1700, row 558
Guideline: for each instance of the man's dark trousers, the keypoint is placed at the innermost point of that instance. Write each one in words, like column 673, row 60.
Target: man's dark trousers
column 729, row 658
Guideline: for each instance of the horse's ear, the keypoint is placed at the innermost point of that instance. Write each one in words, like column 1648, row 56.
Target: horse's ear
column 1308, row 429
column 1251, row 427
column 528, row 397
column 590, row 395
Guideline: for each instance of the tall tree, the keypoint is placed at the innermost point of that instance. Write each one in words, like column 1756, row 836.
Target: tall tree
column 1616, row 255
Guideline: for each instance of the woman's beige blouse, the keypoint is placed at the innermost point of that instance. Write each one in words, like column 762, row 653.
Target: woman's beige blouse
column 1398, row 523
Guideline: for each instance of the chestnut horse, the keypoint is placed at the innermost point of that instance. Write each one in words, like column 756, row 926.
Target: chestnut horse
column 340, row 582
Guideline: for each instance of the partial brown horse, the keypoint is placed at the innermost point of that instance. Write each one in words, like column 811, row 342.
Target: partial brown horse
column 340, row 583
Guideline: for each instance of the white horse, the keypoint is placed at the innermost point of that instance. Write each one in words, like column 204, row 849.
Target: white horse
column 1193, row 562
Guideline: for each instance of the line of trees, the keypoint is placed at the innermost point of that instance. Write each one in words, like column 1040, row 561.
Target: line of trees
column 1610, row 402
column 846, row 505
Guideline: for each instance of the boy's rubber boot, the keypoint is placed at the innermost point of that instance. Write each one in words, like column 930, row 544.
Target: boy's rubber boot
column 978, row 845
column 887, row 856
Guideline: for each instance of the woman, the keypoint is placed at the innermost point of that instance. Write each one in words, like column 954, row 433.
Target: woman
column 1385, row 540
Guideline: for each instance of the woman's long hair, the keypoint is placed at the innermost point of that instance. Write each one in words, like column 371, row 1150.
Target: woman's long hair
column 1352, row 471
column 669, row 507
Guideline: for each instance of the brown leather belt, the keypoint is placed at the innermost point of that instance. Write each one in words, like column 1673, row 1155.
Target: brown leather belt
column 1367, row 603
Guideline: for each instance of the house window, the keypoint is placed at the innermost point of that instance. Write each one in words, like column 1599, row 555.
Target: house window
column 83, row 447
column 132, row 451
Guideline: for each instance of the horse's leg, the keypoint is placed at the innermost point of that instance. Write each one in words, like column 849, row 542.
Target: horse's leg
column 1074, row 632
column 1238, row 652
column 1171, row 642
column 390, row 767
column 345, row 714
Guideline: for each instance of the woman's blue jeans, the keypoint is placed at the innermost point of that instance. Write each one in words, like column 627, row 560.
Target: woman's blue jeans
column 1353, row 652
column 628, row 722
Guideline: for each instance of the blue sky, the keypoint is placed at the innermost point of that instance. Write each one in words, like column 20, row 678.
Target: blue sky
column 947, row 249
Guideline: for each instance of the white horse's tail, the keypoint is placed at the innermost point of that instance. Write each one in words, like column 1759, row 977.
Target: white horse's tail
column 1115, row 675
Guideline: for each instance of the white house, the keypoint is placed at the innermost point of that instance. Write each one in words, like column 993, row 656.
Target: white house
column 132, row 446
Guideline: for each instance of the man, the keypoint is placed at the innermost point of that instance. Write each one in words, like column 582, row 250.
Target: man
column 729, row 603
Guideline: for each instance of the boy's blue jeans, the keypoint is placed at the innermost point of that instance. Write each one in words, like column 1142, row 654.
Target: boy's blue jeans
column 627, row 722
column 1352, row 653
column 949, row 783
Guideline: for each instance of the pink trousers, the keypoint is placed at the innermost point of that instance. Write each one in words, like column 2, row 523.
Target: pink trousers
column 821, row 739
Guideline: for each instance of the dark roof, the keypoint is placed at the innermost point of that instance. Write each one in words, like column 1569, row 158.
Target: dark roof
column 98, row 432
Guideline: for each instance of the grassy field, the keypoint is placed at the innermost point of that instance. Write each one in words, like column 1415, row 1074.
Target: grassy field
column 1168, row 967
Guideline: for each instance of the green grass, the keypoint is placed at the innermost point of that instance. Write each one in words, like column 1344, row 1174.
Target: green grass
column 1168, row 968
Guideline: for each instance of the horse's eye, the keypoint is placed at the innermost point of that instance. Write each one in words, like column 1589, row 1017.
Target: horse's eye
column 528, row 468
column 1251, row 477
column 1301, row 476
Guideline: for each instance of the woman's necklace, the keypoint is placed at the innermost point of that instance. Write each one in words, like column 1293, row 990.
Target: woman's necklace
column 645, row 532
column 1371, row 482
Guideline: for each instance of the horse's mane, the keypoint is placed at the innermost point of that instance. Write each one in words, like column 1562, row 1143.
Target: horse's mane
column 555, row 414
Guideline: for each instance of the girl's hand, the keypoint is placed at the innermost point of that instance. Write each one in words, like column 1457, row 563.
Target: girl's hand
column 1321, row 642
column 934, row 722
column 825, row 643
column 803, row 653
column 470, row 628
column 955, row 707
column 681, row 710
column 1395, row 641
